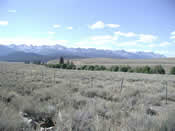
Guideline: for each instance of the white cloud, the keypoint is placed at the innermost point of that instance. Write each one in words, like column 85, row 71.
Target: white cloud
column 31, row 41
column 51, row 33
column 97, row 25
column 128, row 44
column 102, row 25
column 12, row 11
column 172, row 37
column 147, row 38
column 94, row 44
column 112, row 25
column 129, row 34
column 137, row 50
column 173, row 33
column 3, row 23
column 99, row 42
column 56, row 26
column 69, row 28
column 163, row 44
column 105, row 37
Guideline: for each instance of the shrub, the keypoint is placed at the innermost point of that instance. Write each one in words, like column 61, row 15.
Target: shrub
column 26, row 62
column 91, row 67
column 145, row 69
column 57, row 66
column 71, row 66
column 114, row 68
column 172, row 71
column 125, row 68
column 84, row 67
column 97, row 67
column 102, row 68
column 131, row 70
column 158, row 70
column 37, row 62
column 63, row 66
column 79, row 68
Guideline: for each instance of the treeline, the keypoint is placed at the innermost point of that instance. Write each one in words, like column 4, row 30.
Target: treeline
column 145, row 69
column 115, row 68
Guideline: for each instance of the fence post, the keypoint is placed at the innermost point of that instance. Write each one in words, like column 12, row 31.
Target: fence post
column 92, row 78
column 121, row 85
column 42, row 75
column 70, row 83
column 54, row 77
column 166, row 92
column 31, row 74
column 16, row 75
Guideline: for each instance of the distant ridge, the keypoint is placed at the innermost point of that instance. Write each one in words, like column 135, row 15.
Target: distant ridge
column 23, row 56
column 15, row 52
column 5, row 50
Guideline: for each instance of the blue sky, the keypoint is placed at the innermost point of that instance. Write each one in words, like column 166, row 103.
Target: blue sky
column 132, row 25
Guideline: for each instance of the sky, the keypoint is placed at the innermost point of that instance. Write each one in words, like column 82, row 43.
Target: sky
column 131, row 25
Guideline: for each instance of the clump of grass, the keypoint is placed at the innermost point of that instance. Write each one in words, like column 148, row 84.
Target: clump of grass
column 169, row 124
column 76, row 120
column 10, row 120
column 142, row 122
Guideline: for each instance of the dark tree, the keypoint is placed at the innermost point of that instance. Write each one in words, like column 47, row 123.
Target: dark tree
column 61, row 60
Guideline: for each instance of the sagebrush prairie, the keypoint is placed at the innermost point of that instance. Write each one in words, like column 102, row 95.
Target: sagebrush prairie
column 84, row 100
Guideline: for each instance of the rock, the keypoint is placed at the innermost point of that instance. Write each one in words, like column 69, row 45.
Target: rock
column 48, row 123
column 151, row 111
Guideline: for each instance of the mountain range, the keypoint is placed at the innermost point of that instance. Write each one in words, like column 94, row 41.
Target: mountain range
column 21, row 53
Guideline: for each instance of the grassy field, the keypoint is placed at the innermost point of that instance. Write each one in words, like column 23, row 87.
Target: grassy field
column 85, row 100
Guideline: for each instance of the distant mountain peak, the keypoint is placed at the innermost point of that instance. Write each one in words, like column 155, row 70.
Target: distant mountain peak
column 54, row 51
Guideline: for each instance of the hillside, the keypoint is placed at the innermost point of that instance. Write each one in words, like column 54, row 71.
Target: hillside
column 22, row 56
column 4, row 50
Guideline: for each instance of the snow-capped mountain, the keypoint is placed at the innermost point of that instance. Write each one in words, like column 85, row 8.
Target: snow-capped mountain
column 56, row 51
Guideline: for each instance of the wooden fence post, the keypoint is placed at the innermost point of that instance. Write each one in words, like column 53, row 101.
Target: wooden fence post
column 92, row 79
column 121, row 85
column 166, row 86
column 31, row 74
column 42, row 75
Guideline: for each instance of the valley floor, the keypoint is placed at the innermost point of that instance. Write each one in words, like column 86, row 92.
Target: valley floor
column 84, row 100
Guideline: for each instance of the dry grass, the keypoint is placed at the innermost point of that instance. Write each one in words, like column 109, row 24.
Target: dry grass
column 77, row 103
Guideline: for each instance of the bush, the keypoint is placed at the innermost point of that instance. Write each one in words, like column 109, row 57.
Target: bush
column 158, row 70
column 125, row 68
column 71, row 67
column 102, row 68
column 172, row 71
column 114, row 68
column 145, row 69
column 131, row 70
column 84, row 67
column 63, row 66
column 97, row 67
column 57, row 66
column 26, row 62
column 37, row 62
column 91, row 67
